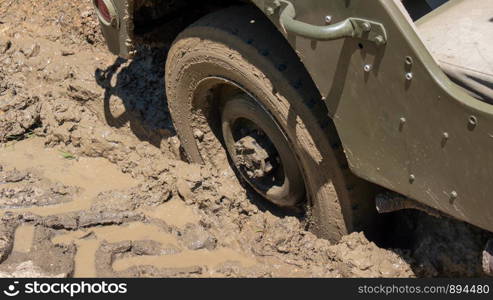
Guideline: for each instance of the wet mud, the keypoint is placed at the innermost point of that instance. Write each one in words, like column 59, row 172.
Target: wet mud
column 93, row 182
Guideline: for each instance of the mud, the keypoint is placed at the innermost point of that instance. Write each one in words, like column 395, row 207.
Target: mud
column 92, row 181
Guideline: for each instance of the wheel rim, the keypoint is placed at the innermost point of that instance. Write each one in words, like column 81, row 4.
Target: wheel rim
column 261, row 152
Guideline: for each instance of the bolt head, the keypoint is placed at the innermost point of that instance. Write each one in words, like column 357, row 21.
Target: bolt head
column 473, row 121
column 409, row 76
column 379, row 40
column 409, row 60
column 412, row 178
column 368, row 68
column 328, row 19
column 366, row 27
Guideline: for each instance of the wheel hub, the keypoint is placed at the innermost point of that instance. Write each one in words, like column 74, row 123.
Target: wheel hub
column 261, row 152
column 254, row 155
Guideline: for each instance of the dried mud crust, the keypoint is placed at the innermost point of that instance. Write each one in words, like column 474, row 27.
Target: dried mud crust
column 88, row 150
column 69, row 22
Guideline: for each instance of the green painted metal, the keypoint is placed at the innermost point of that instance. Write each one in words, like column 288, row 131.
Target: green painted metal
column 343, row 29
column 348, row 28
column 403, row 124
column 119, row 35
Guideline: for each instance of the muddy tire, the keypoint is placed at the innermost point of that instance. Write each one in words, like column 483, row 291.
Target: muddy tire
column 238, row 50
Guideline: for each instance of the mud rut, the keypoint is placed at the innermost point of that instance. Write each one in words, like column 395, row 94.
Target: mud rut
column 92, row 182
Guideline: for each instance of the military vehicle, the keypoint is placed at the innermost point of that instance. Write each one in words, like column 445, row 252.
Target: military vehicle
column 344, row 105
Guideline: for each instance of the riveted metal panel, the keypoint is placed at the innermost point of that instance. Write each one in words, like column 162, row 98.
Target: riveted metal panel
column 404, row 125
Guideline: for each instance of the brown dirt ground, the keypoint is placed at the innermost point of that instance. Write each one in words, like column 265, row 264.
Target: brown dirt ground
column 92, row 183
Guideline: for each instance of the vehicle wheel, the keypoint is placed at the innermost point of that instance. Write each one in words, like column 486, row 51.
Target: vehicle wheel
column 232, row 76
column 261, row 152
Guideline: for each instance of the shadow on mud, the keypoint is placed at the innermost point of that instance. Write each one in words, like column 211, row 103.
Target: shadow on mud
column 435, row 247
column 135, row 95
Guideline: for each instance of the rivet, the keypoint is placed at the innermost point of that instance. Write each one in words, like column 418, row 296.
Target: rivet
column 473, row 122
column 453, row 195
column 366, row 27
column 409, row 60
column 368, row 68
column 445, row 137
column 409, row 76
column 412, row 178
column 402, row 122
column 270, row 11
column 379, row 40
column 328, row 19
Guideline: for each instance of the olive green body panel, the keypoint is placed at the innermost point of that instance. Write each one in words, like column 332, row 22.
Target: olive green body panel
column 119, row 37
column 403, row 124
column 421, row 136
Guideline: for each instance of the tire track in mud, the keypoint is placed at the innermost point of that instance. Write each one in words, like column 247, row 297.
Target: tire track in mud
column 88, row 153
